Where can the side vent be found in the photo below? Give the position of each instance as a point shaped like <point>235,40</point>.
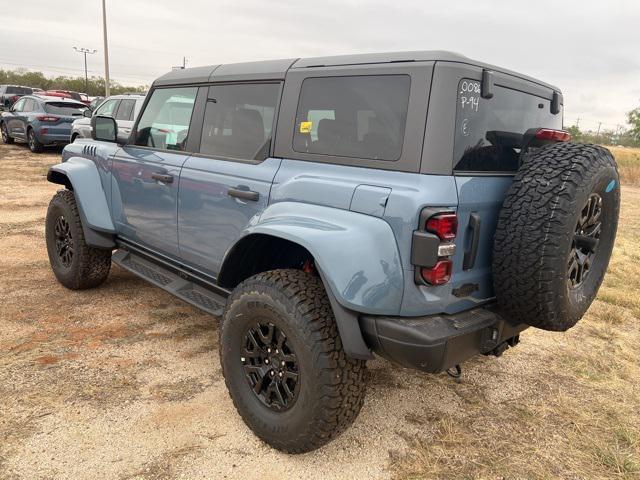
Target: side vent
<point>89,150</point>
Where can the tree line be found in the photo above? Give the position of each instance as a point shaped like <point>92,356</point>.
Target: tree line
<point>95,85</point>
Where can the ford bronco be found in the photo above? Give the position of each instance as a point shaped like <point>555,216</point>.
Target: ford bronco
<point>421,206</point>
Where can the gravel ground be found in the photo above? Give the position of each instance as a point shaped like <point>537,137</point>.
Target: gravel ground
<point>124,382</point>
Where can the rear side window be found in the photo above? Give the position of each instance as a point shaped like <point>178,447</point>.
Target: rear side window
<point>238,121</point>
<point>164,124</point>
<point>359,116</point>
<point>489,132</point>
<point>19,90</point>
<point>125,110</point>
<point>64,108</point>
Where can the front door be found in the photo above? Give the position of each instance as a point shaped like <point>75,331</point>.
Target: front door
<point>146,172</point>
<point>227,184</point>
<point>16,123</point>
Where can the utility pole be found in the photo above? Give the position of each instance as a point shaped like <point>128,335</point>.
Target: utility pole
<point>106,49</point>
<point>598,134</point>
<point>86,76</point>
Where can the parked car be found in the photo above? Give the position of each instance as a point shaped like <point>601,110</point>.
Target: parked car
<point>423,206</point>
<point>124,108</point>
<point>95,102</point>
<point>40,121</point>
<point>83,98</point>
<point>9,94</point>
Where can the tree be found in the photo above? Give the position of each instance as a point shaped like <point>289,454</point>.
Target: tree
<point>633,118</point>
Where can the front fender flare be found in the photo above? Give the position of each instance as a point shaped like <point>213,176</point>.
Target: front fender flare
<point>82,176</point>
<point>356,253</point>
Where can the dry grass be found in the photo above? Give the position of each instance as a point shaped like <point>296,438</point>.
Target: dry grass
<point>581,415</point>
<point>629,164</point>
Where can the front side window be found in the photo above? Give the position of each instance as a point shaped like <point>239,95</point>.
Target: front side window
<point>164,124</point>
<point>359,116</point>
<point>19,105</point>
<point>29,105</point>
<point>238,121</point>
<point>490,131</point>
<point>107,108</point>
<point>125,110</point>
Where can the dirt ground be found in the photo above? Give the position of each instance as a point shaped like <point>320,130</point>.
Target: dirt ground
<point>123,382</point>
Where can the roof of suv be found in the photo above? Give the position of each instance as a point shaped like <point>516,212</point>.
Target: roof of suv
<point>277,69</point>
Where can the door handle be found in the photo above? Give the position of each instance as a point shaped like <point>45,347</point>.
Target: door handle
<point>244,193</point>
<point>162,177</point>
<point>470,255</point>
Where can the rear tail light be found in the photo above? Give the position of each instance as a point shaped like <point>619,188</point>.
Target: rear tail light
<point>553,135</point>
<point>439,274</point>
<point>47,118</point>
<point>445,225</point>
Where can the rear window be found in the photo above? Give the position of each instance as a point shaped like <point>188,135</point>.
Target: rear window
<point>489,131</point>
<point>359,116</point>
<point>63,108</point>
<point>19,90</point>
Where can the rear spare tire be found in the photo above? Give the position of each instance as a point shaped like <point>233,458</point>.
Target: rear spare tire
<point>555,235</point>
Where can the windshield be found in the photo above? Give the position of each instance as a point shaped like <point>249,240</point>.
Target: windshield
<point>64,108</point>
<point>489,132</point>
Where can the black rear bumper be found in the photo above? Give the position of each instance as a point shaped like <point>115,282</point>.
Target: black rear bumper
<point>438,342</point>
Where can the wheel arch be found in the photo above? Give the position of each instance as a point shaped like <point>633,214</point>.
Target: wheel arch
<point>81,177</point>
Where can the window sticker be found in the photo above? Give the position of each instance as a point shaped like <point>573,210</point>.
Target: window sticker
<point>305,127</point>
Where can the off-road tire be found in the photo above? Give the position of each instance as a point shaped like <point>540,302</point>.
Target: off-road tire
<point>89,266</point>
<point>34,144</point>
<point>6,138</point>
<point>332,385</point>
<point>539,223</point>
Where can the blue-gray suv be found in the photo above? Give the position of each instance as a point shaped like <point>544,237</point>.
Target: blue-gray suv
<point>421,206</point>
<point>40,121</point>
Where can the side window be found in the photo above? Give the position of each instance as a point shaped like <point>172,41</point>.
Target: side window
<point>19,105</point>
<point>164,123</point>
<point>125,110</point>
<point>107,108</point>
<point>238,120</point>
<point>29,105</point>
<point>359,116</point>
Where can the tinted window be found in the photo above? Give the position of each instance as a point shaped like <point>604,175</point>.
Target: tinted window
<point>238,121</point>
<point>164,124</point>
<point>125,110</point>
<point>64,108</point>
<point>19,90</point>
<point>107,108</point>
<point>489,132</point>
<point>29,105</point>
<point>361,117</point>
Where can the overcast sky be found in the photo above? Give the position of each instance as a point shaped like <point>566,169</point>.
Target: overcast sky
<point>590,49</point>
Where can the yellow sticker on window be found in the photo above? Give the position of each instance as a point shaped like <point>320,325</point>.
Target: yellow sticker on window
<point>305,127</point>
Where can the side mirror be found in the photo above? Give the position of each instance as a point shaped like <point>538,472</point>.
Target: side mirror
<point>104,129</point>
<point>88,113</point>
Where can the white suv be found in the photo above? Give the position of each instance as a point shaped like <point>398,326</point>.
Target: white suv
<point>124,108</point>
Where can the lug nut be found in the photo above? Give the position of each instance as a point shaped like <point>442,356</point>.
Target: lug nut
<point>272,373</point>
<point>283,364</point>
<point>269,350</point>
<point>280,374</point>
<point>266,360</point>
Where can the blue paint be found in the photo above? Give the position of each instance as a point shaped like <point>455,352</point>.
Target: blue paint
<point>611,186</point>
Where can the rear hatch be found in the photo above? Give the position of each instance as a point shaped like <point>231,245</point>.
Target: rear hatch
<point>59,116</point>
<point>489,134</point>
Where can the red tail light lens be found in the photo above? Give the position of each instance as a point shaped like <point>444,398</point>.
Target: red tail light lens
<point>445,225</point>
<point>439,274</point>
<point>553,135</point>
<point>47,118</point>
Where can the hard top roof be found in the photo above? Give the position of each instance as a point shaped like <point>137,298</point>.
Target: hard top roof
<point>48,99</point>
<point>277,69</point>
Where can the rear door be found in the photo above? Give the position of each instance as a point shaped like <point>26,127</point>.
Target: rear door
<point>146,171</point>
<point>487,140</point>
<point>227,183</point>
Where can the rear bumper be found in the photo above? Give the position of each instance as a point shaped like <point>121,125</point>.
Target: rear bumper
<point>438,342</point>
<point>54,138</point>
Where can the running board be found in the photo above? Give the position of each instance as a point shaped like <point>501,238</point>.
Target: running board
<point>160,276</point>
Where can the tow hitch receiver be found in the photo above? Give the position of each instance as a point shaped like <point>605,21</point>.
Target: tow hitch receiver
<point>500,349</point>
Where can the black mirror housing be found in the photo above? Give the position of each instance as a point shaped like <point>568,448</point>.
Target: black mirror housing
<point>104,129</point>
<point>88,113</point>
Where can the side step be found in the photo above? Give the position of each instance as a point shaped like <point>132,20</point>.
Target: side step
<point>162,277</point>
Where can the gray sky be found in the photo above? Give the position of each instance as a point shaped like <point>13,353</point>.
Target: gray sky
<point>590,49</point>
